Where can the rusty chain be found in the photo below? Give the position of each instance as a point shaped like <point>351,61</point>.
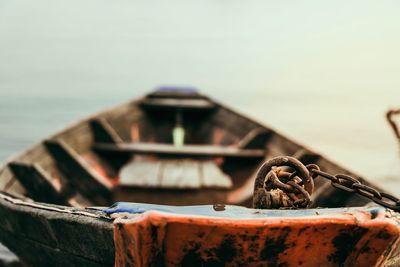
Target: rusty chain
<point>277,188</point>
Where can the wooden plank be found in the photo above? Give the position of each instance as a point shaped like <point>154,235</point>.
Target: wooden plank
<point>82,177</point>
<point>187,150</point>
<point>212,176</point>
<point>233,122</point>
<point>180,174</point>
<point>6,178</point>
<point>37,182</point>
<point>256,138</point>
<point>103,132</point>
<point>173,103</point>
<point>176,93</point>
<point>121,121</point>
<point>140,173</point>
<point>79,138</point>
<point>169,173</point>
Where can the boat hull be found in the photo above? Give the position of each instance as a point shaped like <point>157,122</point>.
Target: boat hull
<point>156,235</point>
<point>50,235</point>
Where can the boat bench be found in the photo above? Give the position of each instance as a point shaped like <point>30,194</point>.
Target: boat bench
<point>184,151</point>
<point>173,174</point>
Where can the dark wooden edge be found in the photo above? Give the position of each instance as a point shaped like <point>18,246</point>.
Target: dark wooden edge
<point>189,150</point>
<point>103,132</point>
<point>37,182</point>
<point>51,235</point>
<point>79,173</point>
<point>176,94</point>
<point>175,103</point>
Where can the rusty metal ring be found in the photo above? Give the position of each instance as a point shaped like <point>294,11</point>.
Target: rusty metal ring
<point>307,198</point>
<point>272,177</point>
<point>302,172</point>
<point>312,168</point>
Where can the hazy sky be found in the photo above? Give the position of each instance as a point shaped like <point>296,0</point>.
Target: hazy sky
<point>321,72</point>
<point>52,46</point>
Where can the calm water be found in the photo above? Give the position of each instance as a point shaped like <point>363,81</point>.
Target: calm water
<point>322,73</point>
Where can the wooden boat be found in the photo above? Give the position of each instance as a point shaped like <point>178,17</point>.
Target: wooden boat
<point>169,150</point>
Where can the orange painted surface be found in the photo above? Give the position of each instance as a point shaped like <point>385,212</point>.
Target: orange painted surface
<point>343,238</point>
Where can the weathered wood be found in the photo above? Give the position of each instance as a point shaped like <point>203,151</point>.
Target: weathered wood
<point>183,104</point>
<point>79,138</point>
<point>212,176</point>
<point>191,93</point>
<point>121,119</point>
<point>7,178</point>
<point>256,138</point>
<point>169,173</point>
<point>140,173</point>
<point>42,236</point>
<point>233,122</point>
<point>36,254</point>
<point>103,132</point>
<point>180,174</point>
<point>82,177</point>
<point>38,183</point>
<point>187,150</point>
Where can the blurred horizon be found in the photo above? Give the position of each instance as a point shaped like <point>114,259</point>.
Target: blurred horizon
<point>322,73</point>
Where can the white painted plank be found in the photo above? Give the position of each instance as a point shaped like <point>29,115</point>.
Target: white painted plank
<point>140,173</point>
<point>212,176</point>
<point>180,174</point>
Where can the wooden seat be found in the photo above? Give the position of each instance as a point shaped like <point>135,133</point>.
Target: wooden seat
<point>168,173</point>
<point>174,103</point>
<point>186,150</point>
<point>80,174</point>
<point>42,186</point>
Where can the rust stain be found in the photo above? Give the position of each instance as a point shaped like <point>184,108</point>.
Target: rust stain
<point>338,239</point>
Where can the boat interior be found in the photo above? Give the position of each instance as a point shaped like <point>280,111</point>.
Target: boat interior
<point>169,147</point>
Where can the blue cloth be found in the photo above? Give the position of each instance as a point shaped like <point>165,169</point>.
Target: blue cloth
<point>234,212</point>
<point>133,208</point>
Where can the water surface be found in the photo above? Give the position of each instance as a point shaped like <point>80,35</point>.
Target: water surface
<point>322,73</point>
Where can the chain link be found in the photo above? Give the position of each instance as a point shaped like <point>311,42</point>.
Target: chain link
<point>352,185</point>
<point>298,189</point>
